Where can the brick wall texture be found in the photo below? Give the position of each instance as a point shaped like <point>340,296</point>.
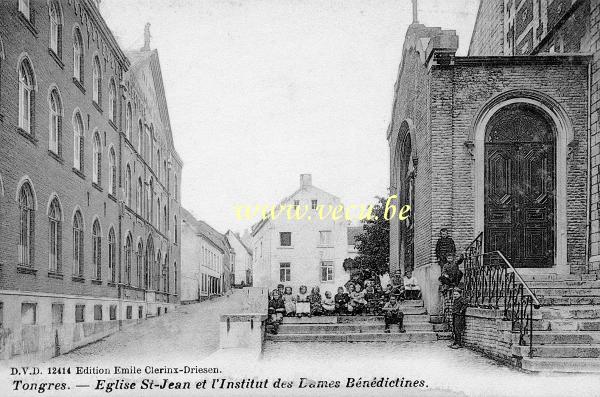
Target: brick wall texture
<point>488,32</point>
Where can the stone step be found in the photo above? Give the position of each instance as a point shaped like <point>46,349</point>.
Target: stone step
<point>559,351</point>
<point>568,300</point>
<point>574,365</point>
<point>563,337</point>
<point>568,325</point>
<point>559,277</point>
<point>570,312</point>
<point>348,328</point>
<point>567,292</point>
<point>351,319</point>
<point>564,284</point>
<point>393,336</point>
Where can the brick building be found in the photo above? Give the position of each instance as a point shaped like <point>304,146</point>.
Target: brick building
<point>503,144</point>
<point>89,201</point>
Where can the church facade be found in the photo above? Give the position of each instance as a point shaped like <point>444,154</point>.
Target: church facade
<point>500,143</point>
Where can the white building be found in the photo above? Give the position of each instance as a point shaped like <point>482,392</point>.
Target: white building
<point>242,261</point>
<point>302,252</point>
<point>205,260</point>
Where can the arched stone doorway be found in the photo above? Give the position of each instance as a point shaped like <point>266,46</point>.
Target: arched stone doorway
<point>520,185</point>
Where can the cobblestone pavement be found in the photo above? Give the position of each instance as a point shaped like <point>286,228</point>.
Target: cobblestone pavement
<point>189,332</point>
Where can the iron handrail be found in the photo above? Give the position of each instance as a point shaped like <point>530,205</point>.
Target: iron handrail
<point>536,302</point>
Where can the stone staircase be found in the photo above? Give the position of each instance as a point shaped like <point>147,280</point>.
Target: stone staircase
<point>566,335</point>
<point>417,323</point>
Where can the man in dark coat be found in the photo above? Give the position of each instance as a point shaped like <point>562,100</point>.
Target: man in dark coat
<point>459,309</point>
<point>393,314</point>
<point>444,247</point>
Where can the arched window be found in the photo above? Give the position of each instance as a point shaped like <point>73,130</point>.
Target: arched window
<point>26,225</point>
<point>97,249</point>
<point>26,96</point>
<point>128,185</point>
<point>112,102</point>
<point>157,273</point>
<point>78,142</point>
<point>128,257</point>
<point>176,187</point>
<point>149,263</point>
<point>147,147</point>
<point>97,160</point>
<point>175,278</point>
<point>175,229</point>
<point>24,8</point>
<point>157,165</point>
<point>55,126</point>
<point>128,121</point>
<point>139,263</point>
<point>165,174</point>
<point>158,213</point>
<point>165,219</point>
<point>139,194</point>
<point>55,237</point>
<point>55,29</point>
<point>97,82</point>
<point>140,137</point>
<point>150,200</point>
<point>78,244</point>
<point>112,172</point>
<point>112,256</point>
<point>165,272</point>
<point>78,64</point>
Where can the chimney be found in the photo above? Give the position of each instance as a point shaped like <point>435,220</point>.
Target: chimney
<point>305,180</point>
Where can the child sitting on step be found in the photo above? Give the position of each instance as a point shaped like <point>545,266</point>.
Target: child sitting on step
<point>412,291</point>
<point>316,307</point>
<point>393,315</point>
<point>357,300</point>
<point>290,302</point>
<point>302,302</point>
<point>276,310</point>
<point>341,301</point>
<point>328,304</point>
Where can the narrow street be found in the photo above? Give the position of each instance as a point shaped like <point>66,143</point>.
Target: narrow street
<point>189,333</point>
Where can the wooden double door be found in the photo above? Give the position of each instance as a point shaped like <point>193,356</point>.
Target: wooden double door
<point>520,189</point>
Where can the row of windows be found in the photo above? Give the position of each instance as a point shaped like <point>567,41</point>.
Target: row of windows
<point>147,265</point>
<point>27,87</point>
<point>210,259</point>
<point>210,285</point>
<point>29,313</point>
<point>325,271</point>
<point>285,238</point>
<point>313,203</point>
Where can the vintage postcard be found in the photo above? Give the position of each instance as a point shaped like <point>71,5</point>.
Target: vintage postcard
<point>300,198</point>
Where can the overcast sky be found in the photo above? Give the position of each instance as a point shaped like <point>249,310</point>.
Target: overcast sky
<point>260,91</point>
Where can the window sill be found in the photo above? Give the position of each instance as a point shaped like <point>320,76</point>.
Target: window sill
<point>285,247</point>
<point>113,125</point>
<point>55,275</point>
<point>96,186</point>
<point>78,279</point>
<point>26,270</point>
<point>324,246</point>
<point>111,284</point>
<point>27,135</point>
<point>56,58</point>
<point>55,156</point>
<point>96,281</point>
<point>97,106</point>
<point>79,173</point>
<point>79,85</point>
<point>113,198</point>
<point>25,21</point>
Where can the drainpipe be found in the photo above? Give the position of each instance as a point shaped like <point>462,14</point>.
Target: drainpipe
<point>589,170</point>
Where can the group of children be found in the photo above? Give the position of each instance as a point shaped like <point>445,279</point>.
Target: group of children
<point>357,298</point>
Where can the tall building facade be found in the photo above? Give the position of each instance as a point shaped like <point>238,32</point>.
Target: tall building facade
<point>89,191</point>
<point>306,252</point>
<point>207,260</point>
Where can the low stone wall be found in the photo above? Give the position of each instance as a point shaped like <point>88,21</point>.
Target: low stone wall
<point>488,333</point>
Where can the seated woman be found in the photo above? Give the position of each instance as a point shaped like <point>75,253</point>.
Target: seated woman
<point>358,300</point>
<point>328,304</point>
<point>316,308</point>
<point>412,291</point>
<point>341,301</point>
<point>302,302</point>
<point>290,302</point>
